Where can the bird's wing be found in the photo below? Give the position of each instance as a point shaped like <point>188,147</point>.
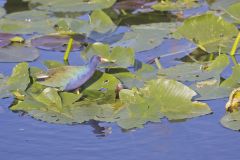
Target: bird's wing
<point>59,77</point>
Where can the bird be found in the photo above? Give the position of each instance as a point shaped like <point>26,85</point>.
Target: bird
<point>69,78</point>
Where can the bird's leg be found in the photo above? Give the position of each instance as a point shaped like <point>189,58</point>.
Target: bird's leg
<point>77,91</point>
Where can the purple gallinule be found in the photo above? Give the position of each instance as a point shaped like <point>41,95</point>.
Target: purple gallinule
<point>68,78</point>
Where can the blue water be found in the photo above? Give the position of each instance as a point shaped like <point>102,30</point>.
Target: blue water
<point>201,138</point>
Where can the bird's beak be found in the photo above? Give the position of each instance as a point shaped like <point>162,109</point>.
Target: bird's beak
<point>106,60</point>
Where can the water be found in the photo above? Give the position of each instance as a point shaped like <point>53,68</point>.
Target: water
<point>24,138</point>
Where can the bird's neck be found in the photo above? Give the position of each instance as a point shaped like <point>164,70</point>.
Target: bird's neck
<point>92,66</point>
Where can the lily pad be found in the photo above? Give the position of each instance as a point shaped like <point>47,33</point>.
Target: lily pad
<point>233,12</point>
<point>231,118</point>
<point>19,80</point>
<point>197,72</point>
<point>56,43</point>
<point>4,89</point>
<point>175,5</point>
<point>101,22</point>
<point>18,54</point>
<point>54,107</point>
<point>27,27</point>
<point>154,101</point>
<point>218,90</point>
<point>72,5</point>
<point>121,56</point>
<point>134,5</point>
<point>219,36</point>
<point>5,39</point>
<point>28,16</point>
<point>2,12</point>
<point>101,88</point>
<point>145,37</point>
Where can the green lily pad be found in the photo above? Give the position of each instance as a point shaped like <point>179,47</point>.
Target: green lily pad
<point>2,12</point>
<point>219,36</point>
<point>218,90</point>
<point>233,12</point>
<point>18,54</point>
<point>176,5</point>
<point>52,64</point>
<point>101,22</point>
<point>72,5</point>
<point>19,80</point>
<point>27,27</point>
<point>155,101</point>
<point>61,107</point>
<point>4,89</point>
<point>28,16</point>
<point>121,56</point>
<point>222,4</point>
<point>145,37</point>
<point>196,72</point>
<point>231,121</point>
<point>101,87</point>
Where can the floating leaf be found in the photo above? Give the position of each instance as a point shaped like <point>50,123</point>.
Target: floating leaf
<point>155,100</point>
<point>2,12</point>
<point>231,119</point>
<point>18,54</point>
<point>56,43</point>
<point>4,89</point>
<point>28,16</point>
<point>52,64</point>
<point>121,56</point>
<point>54,107</point>
<point>233,10</point>
<point>5,39</point>
<point>72,5</point>
<point>134,5</point>
<point>145,37</point>
<point>234,79</point>
<point>19,80</point>
<point>27,27</point>
<point>196,71</point>
<point>101,87</point>
<point>222,4</point>
<point>213,33</point>
<point>101,22</point>
<point>176,5</point>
